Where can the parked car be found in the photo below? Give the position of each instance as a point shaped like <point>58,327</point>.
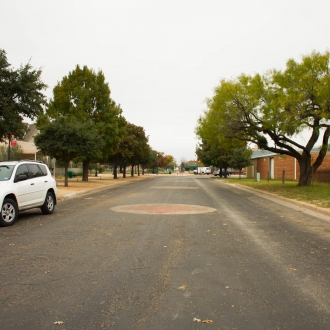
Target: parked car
<point>206,170</point>
<point>217,172</point>
<point>229,172</point>
<point>25,185</point>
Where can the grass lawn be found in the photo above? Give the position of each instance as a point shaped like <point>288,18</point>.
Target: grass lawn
<point>318,193</point>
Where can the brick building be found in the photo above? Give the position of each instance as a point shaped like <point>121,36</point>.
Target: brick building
<point>271,165</point>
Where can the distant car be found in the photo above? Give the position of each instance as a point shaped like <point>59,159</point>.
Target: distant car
<point>25,185</point>
<point>217,172</point>
<point>229,172</point>
<point>196,171</point>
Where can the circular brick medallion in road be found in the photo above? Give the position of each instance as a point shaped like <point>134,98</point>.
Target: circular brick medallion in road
<point>163,209</point>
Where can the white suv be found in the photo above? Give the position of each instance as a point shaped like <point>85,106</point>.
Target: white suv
<point>25,185</point>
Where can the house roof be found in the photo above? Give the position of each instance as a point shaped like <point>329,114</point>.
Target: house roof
<point>265,153</point>
<point>262,153</point>
<point>31,133</point>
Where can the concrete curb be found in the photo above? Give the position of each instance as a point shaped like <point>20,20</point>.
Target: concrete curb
<point>73,194</point>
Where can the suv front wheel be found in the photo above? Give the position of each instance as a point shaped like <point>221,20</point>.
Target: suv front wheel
<point>9,212</point>
<point>49,204</point>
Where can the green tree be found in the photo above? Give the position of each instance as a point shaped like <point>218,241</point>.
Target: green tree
<point>215,147</point>
<point>271,110</point>
<point>84,95</point>
<point>145,158</point>
<point>133,148</point>
<point>66,140</point>
<point>204,153</point>
<point>20,96</point>
<point>152,160</point>
<point>239,158</point>
<point>140,146</point>
<point>169,162</point>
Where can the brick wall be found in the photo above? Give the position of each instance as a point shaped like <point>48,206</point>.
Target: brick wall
<point>288,164</point>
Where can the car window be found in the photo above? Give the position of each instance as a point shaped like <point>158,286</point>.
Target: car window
<point>5,172</point>
<point>34,170</point>
<point>43,169</point>
<point>22,170</point>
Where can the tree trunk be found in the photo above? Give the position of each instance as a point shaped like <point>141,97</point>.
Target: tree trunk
<point>66,180</point>
<point>85,170</point>
<point>138,170</point>
<point>132,170</point>
<point>306,170</point>
<point>124,171</point>
<point>115,176</point>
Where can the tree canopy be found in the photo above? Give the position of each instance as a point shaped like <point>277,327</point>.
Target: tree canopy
<point>20,96</point>
<point>66,140</point>
<point>84,95</point>
<point>271,110</point>
<point>133,147</point>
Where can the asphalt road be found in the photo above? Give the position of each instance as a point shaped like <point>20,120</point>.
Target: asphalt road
<point>247,263</point>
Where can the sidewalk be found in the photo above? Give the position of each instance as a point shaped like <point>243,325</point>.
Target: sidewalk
<point>78,187</point>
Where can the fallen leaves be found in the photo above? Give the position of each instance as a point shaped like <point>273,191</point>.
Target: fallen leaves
<point>182,287</point>
<point>207,321</point>
<point>294,269</point>
<point>58,322</point>
<point>195,319</point>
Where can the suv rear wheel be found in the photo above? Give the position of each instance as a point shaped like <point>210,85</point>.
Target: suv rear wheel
<point>49,204</point>
<point>9,212</point>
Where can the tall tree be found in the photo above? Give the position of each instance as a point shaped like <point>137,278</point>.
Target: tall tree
<point>133,148</point>
<point>271,110</point>
<point>215,147</point>
<point>84,95</point>
<point>20,96</point>
<point>66,140</point>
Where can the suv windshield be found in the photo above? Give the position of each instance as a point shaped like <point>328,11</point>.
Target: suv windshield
<point>5,172</point>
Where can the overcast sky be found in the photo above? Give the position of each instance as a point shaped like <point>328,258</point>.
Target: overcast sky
<point>162,59</point>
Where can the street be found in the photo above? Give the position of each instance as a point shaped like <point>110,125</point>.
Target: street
<point>172,252</point>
